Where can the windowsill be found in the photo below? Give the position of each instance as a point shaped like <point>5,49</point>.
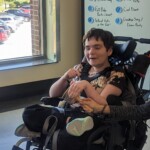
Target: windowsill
<point>23,64</point>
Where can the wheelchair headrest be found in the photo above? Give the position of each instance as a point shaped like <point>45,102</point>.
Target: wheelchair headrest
<point>124,51</point>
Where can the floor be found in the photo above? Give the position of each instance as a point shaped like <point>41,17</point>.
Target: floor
<point>10,119</point>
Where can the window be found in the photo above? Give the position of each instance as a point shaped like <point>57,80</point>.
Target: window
<point>35,40</point>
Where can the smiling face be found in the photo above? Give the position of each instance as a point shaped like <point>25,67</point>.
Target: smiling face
<point>96,53</point>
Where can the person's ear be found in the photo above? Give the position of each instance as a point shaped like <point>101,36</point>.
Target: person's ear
<point>110,51</point>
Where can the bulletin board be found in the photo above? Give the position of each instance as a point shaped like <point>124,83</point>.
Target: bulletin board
<point>129,18</point>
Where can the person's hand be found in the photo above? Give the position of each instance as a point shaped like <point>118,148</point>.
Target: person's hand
<point>76,87</point>
<point>71,73</point>
<point>90,105</point>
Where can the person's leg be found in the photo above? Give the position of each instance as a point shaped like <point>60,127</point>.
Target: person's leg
<point>34,117</point>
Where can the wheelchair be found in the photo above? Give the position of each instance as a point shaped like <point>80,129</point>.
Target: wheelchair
<point>114,138</point>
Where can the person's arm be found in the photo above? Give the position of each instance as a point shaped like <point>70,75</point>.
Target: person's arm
<point>77,87</point>
<point>135,112</point>
<point>60,86</point>
<point>115,85</point>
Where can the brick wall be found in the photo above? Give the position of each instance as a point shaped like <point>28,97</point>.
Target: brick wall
<point>35,27</point>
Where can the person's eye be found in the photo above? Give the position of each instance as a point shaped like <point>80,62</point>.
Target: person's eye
<point>87,48</point>
<point>97,47</point>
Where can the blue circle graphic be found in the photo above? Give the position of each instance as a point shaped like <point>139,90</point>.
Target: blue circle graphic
<point>91,20</point>
<point>119,9</point>
<point>90,8</point>
<point>118,0</point>
<point>118,21</point>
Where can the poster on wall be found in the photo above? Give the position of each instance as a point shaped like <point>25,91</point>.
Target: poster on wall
<point>121,17</point>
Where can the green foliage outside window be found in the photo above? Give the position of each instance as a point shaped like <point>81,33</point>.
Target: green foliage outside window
<point>4,4</point>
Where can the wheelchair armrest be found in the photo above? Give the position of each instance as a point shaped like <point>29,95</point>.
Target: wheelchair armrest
<point>53,101</point>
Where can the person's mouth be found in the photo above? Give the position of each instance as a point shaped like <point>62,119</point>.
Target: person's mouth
<point>92,58</point>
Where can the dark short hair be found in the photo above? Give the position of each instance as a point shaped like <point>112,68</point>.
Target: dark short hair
<point>106,36</point>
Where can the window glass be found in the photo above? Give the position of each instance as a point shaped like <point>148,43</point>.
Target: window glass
<point>31,34</point>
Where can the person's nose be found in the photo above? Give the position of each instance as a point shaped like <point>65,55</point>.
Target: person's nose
<point>91,51</point>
